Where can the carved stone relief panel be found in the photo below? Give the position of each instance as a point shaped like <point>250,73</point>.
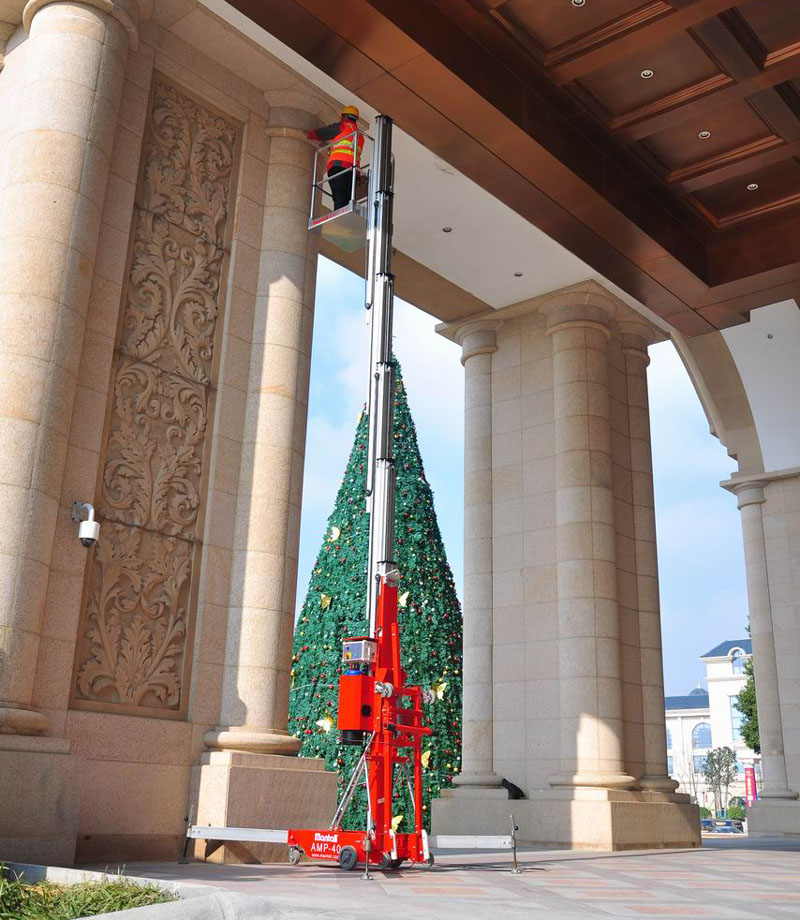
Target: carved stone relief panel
<point>132,652</point>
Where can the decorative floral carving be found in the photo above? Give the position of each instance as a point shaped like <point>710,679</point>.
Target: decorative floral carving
<point>136,618</point>
<point>132,648</point>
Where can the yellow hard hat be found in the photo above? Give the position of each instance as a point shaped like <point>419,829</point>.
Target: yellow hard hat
<point>350,110</point>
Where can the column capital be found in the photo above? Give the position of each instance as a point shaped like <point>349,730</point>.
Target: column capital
<point>293,113</point>
<point>637,335</point>
<point>129,13</point>
<point>477,338</point>
<point>748,492</point>
<point>593,308</point>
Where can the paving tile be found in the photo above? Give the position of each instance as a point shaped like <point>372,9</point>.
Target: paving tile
<point>743,882</point>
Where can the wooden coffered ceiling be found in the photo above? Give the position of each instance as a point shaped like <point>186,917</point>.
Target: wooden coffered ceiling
<point>658,141</point>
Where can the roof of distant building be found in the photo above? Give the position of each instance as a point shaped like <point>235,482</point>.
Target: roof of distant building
<point>726,647</point>
<point>697,699</point>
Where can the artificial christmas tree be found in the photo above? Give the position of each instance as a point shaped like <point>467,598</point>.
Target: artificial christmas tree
<point>335,609</point>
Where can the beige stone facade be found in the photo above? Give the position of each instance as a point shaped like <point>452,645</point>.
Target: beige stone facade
<point>561,581</point>
<point>770,509</point>
<point>156,307</point>
<point>750,396</point>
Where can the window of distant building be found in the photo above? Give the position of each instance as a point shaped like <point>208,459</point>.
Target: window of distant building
<point>701,735</point>
<point>669,740</point>
<point>737,661</point>
<point>736,719</point>
<point>669,765</point>
<point>699,762</point>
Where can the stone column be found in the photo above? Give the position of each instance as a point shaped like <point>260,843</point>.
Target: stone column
<point>260,622</point>
<point>635,339</point>
<point>592,751</point>
<point>750,497</point>
<point>52,193</point>
<point>478,341</point>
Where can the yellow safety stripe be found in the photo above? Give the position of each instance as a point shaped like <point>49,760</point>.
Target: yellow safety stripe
<point>345,147</point>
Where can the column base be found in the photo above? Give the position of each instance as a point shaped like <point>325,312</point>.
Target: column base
<point>39,800</point>
<point>774,817</point>
<point>581,819</point>
<point>662,783</point>
<point>595,780</point>
<point>255,742</point>
<point>238,789</point>
<point>478,780</point>
<point>15,721</point>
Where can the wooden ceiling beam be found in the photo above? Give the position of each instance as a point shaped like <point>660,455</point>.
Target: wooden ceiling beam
<point>758,82</point>
<point>459,84</point>
<point>740,161</point>
<point>576,58</point>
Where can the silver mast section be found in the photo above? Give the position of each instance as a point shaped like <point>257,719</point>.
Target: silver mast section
<point>380,301</point>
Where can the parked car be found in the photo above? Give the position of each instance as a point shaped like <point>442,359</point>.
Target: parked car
<point>727,829</point>
<point>707,824</point>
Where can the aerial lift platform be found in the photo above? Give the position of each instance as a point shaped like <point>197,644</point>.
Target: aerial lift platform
<point>377,709</point>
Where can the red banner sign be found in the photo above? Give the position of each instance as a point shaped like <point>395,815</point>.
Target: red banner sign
<point>750,790</point>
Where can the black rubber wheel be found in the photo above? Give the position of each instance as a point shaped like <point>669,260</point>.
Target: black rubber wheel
<point>348,858</point>
<point>294,855</point>
<point>396,863</point>
<point>428,864</point>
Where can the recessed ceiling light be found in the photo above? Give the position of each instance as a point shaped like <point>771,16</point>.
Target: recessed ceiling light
<point>447,229</point>
<point>646,74</point>
<point>517,274</point>
<point>704,135</point>
<point>579,2</point>
<point>752,186</point>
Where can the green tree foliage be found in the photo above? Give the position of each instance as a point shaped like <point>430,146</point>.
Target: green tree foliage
<point>705,812</point>
<point>746,704</point>
<point>720,771</point>
<point>736,811</point>
<point>20,900</point>
<point>335,608</point>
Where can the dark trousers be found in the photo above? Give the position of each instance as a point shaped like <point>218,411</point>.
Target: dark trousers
<point>341,182</point>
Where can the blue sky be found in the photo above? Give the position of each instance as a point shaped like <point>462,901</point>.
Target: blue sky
<point>703,594</point>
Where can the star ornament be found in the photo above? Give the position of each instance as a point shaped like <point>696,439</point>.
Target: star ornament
<point>439,689</point>
<point>325,601</point>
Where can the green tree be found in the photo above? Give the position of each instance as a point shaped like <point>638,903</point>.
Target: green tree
<point>720,771</point>
<point>335,608</point>
<point>746,704</point>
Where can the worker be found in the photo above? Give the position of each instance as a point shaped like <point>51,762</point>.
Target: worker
<point>344,155</point>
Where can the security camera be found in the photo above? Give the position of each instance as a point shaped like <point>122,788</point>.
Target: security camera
<point>88,530</point>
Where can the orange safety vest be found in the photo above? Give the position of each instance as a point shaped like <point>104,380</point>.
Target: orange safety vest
<point>341,150</point>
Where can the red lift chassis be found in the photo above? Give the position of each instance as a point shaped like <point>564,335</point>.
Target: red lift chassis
<point>379,703</point>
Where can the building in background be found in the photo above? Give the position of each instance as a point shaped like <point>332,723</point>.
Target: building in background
<point>706,719</point>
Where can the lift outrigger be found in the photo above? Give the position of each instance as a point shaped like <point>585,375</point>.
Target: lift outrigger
<point>377,709</point>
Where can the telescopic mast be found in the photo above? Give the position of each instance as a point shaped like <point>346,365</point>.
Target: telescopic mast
<point>381,473</point>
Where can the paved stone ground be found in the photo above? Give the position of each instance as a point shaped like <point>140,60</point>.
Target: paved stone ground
<point>735,879</point>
